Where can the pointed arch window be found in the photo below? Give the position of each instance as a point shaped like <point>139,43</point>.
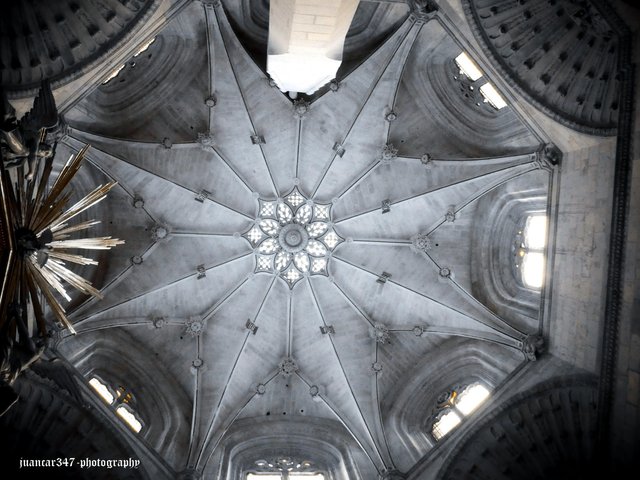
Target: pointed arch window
<point>455,404</point>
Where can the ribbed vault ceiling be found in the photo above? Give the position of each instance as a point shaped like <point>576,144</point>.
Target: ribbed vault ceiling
<point>238,374</point>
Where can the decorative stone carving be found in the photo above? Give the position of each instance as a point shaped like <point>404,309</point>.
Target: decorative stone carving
<point>159,322</point>
<point>549,158</point>
<point>138,202</point>
<point>334,85</point>
<point>418,330</point>
<point>205,139</point>
<point>445,272</point>
<point>300,108</point>
<point>252,327</point>
<point>62,40</point>
<point>158,233</point>
<point>381,333</point>
<point>261,389</point>
<point>136,260</point>
<point>314,391</point>
<point>470,89</point>
<point>202,271</point>
<point>383,277</point>
<point>533,347</point>
<point>328,329</point>
<point>531,41</point>
<point>292,237</point>
<point>258,139</point>
<point>386,206</point>
<point>421,242</point>
<point>284,464</point>
<point>339,149</point>
<point>392,475</point>
<point>287,367</point>
<point>194,326</point>
<point>211,101</point>
<point>167,143</point>
<point>427,160</point>
<point>450,216</point>
<point>423,10</point>
<point>389,152</point>
<point>376,367</point>
<point>202,196</point>
<point>391,116</point>
<point>197,363</point>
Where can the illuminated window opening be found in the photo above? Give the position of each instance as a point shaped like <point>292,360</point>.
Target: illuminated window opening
<point>144,47</point>
<point>102,390</point>
<point>129,418</point>
<point>469,68</point>
<point>492,96</point>
<point>113,74</point>
<point>117,71</point>
<point>456,405</point>
<point>118,400</point>
<point>531,251</point>
<point>284,468</point>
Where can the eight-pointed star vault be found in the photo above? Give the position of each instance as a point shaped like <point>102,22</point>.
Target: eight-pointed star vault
<point>251,212</point>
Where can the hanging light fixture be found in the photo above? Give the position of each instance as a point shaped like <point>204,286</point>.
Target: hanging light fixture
<point>37,231</point>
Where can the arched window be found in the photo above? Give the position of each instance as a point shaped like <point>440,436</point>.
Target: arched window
<point>284,468</point>
<point>487,91</point>
<point>119,400</point>
<point>532,240</point>
<point>114,73</point>
<point>455,404</point>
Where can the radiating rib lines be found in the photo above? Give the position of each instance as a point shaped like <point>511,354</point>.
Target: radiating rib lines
<point>435,189</point>
<point>210,56</point>
<point>233,170</point>
<point>114,281</point>
<point>235,416</point>
<point>196,403</point>
<point>379,410</point>
<point>231,372</point>
<point>173,182</point>
<point>346,425</point>
<point>244,102</point>
<point>163,286</point>
<point>483,192</point>
<point>374,85</point>
<point>474,300</point>
<point>344,373</point>
<point>518,335</point>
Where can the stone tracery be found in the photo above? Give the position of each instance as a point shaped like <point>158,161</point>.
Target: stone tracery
<point>293,237</point>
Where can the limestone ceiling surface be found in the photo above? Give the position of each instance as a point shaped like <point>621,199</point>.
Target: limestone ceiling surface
<point>236,339</point>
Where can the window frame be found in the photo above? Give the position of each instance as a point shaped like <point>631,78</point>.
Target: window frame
<point>521,250</point>
<point>121,398</point>
<point>446,404</point>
